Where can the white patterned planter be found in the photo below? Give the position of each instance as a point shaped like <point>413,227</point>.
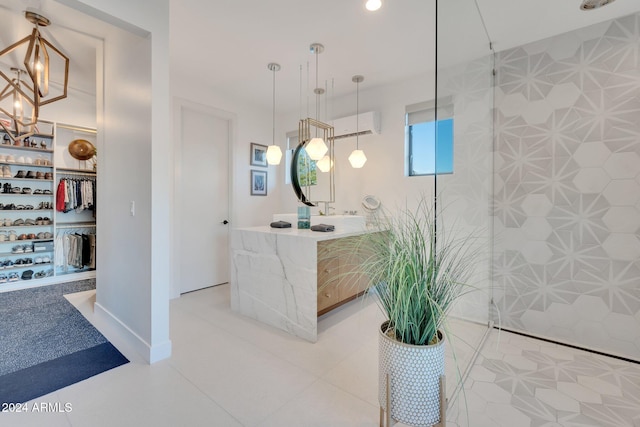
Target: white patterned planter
<point>414,373</point>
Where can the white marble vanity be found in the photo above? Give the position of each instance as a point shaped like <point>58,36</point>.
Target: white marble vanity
<point>274,274</point>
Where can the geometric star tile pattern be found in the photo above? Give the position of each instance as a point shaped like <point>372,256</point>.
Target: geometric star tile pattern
<point>519,381</point>
<point>567,208</point>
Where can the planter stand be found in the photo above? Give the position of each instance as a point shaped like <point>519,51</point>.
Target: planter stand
<point>386,421</point>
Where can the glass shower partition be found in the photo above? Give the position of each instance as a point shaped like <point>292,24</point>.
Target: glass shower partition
<point>464,114</point>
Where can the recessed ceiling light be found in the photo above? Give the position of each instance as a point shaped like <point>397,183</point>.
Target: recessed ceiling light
<point>594,4</point>
<point>373,4</point>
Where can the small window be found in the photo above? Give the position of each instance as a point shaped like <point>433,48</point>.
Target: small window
<point>429,141</point>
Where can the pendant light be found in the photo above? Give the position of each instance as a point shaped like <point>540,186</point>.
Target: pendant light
<point>357,157</point>
<point>38,53</point>
<point>18,106</point>
<point>316,148</point>
<point>274,153</point>
<point>324,164</point>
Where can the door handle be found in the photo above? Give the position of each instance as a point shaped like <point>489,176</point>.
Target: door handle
<point>225,222</point>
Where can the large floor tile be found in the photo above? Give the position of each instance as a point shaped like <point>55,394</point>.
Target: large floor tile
<point>323,405</point>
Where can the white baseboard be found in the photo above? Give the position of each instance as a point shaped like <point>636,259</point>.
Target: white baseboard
<point>149,353</point>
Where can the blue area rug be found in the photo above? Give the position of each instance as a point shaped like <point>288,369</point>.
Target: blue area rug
<point>46,344</point>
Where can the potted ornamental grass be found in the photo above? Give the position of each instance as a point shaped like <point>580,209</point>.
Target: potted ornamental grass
<point>416,271</point>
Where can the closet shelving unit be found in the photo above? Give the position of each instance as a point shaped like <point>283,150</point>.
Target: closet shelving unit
<point>40,208</point>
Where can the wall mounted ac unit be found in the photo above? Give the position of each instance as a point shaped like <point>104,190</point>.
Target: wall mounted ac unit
<point>368,123</point>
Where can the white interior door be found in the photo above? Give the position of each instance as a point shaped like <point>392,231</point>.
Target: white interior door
<point>202,191</point>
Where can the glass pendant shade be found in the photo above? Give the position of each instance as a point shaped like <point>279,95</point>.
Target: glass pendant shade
<point>274,155</point>
<point>316,148</point>
<point>373,4</point>
<point>325,164</point>
<point>357,159</point>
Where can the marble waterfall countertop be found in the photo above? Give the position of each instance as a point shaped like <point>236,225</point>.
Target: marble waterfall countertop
<point>274,275</point>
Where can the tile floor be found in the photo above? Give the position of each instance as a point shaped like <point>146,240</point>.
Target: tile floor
<point>227,370</point>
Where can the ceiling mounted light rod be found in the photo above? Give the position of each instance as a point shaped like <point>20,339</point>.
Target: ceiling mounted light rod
<point>274,153</point>
<point>357,157</point>
<point>316,148</point>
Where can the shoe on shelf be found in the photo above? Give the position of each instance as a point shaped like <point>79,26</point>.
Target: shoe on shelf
<point>40,175</point>
<point>46,259</point>
<point>43,145</point>
<point>19,249</point>
<point>13,277</point>
<point>30,175</point>
<point>3,278</point>
<point>29,221</point>
<point>20,174</point>
<point>10,159</point>
<point>6,170</point>
<point>20,159</point>
<point>18,222</point>
<point>48,175</point>
<point>39,275</point>
<point>26,190</point>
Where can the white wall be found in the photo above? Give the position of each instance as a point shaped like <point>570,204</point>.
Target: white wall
<point>384,174</point>
<point>252,124</point>
<point>133,124</point>
<point>77,109</point>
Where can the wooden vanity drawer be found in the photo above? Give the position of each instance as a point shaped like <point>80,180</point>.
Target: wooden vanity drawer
<point>328,283</point>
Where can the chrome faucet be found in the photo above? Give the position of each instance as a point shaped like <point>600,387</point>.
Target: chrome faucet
<point>327,208</point>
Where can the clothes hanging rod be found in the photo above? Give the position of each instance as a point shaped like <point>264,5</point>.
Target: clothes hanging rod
<point>77,128</point>
<point>72,172</point>
<point>75,225</point>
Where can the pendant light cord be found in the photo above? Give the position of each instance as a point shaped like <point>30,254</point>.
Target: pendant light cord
<point>357,115</point>
<point>273,139</point>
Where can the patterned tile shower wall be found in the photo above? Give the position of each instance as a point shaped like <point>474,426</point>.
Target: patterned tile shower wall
<point>567,187</point>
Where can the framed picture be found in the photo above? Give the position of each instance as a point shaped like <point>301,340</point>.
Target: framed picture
<point>258,154</point>
<point>258,183</point>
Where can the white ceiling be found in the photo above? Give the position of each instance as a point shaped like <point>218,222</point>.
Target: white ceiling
<point>225,45</point>
<point>228,43</point>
